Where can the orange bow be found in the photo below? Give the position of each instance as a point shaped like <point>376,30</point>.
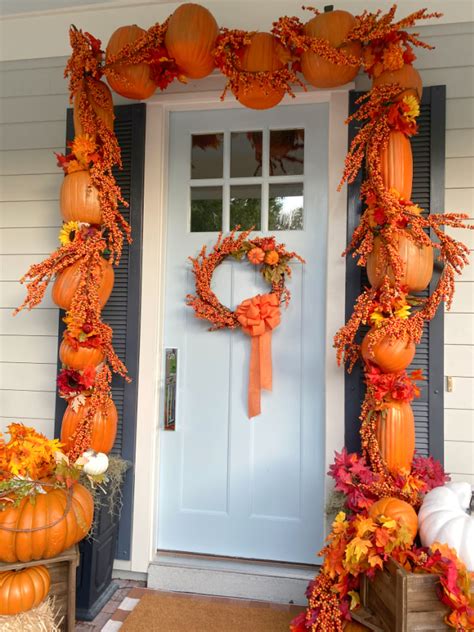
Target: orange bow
<point>258,316</point>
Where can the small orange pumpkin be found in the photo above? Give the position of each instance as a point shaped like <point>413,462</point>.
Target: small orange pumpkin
<point>59,526</point>
<point>390,354</point>
<point>104,426</point>
<point>24,589</point>
<point>80,357</point>
<point>79,199</point>
<point>101,100</point>
<point>190,39</point>
<point>333,26</point>
<point>67,282</point>
<point>408,77</point>
<point>397,510</point>
<point>395,431</point>
<point>132,81</point>
<point>264,53</point>
<point>417,265</point>
<point>397,164</point>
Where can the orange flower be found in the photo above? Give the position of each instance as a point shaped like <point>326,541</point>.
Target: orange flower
<point>75,165</point>
<point>272,258</point>
<point>83,146</point>
<point>256,256</point>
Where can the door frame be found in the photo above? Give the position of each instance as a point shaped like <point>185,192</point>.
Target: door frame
<point>145,516</point>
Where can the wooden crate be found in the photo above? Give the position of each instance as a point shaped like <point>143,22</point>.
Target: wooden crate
<point>62,570</point>
<point>399,601</point>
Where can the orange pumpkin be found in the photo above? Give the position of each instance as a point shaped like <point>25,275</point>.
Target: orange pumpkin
<point>190,39</point>
<point>353,626</point>
<point>397,510</point>
<point>264,53</point>
<point>79,199</point>
<point>129,80</point>
<point>395,431</point>
<point>333,26</point>
<point>80,357</point>
<point>408,77</point>
<point>24,589</point>
<point>417,265</point>
<point>101,100</point>
<point>67,282</point>
<point>390,354</point>
<point>397,164</point>
<point>59,522</point>
<point>104,426</point>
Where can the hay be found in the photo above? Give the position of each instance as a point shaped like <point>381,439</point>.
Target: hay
<point>44,618</point>
<point>109,494</point>
<point>336,503</point>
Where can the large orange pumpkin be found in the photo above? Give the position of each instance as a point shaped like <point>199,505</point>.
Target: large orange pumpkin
<point>190,39</point>
<point>79,199</point>
<point>24,589</point>
<point>104,426</point>
<point>353,626</point>
<point>101,100</point>
<point>264,53</point>
<point>333,26</point>
<point>397,164</point>
<point>52,524</point>
<point>67,282</point>
<point>80,357</point>
<point>129,80</point>
<point>397,510</point>
<point>417,265</point>
<point>408,77</point>
<point>395,431</point>
<point>390,354</point>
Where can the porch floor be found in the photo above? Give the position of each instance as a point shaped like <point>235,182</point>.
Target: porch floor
<point>129,593</point>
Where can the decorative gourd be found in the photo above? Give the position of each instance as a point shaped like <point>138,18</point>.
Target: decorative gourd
<point>60,518</point>
<point>101,100</point>
<point>96,463</point>
<point>24,589</point>
<point>67,282</point>
<point>264,53</point>
<point>79,199</point>
<point>395,432</point>
<point>104,426</point>
<point>333,26</point>
<point>417,265</point>
<point>353,626</point>
<point>390,354</point>
<point>129,80</point>
<point>444,518</point>
<point>80,357</point>
<point>190,39</point>
<point>408,77</point>
<point>397,510</point>
<point>397,164</point>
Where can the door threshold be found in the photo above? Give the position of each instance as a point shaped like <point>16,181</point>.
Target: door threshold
<point>279,582</point>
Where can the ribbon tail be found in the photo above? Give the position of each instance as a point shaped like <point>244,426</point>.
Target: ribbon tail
<point>265,343</point>
<point>254,379</point>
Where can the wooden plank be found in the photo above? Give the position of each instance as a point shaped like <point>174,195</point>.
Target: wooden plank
<point>459,425</point>
<point>30,109</point>
<point>459,143</point>
<point>35,187</point>
<point>45,426</point>
<point>461,234</point>
<point>459,360</point>
<point>28,377</point>
<point>38,135</point>
<point>467,478</point>
<point>459,172</point>
<point>450,51</point>
<point>31,241</point>
<point>29,161</point>
<point>33,81</point>
<point>463,298</point>
<point>40,322</point>
<point>462,395</point>
<point>460,113</point>
<point>14,266</point>
<point>30,214</point>
<point>458,329</point>
<point>12,294</point>
<point>29,349</point>
<point>459,457</point>
<point>460,201</point>
<point>20,404</point>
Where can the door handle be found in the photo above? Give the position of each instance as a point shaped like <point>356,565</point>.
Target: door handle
<point>171,370</point>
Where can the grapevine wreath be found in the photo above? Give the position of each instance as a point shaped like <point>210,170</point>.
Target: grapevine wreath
<point>257,316</point>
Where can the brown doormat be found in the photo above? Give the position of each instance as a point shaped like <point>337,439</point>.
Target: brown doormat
<point>165,612</point>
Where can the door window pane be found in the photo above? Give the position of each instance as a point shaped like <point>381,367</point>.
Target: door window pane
<point>245,154</point>
<point>207,152</point>
<point>285,206</point>
<point>245,206</point>
<point>286,152</point>
<point>206,209</point>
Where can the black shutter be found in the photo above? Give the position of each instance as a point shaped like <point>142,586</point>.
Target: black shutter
<point>428,191</point>
<point>122,310</point>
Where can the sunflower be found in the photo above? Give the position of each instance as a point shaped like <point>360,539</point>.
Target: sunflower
<point>68,232</point>
<point>82,147</point>
<point>413,108</point>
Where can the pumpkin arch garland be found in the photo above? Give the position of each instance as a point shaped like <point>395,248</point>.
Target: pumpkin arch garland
<point>256,316</point>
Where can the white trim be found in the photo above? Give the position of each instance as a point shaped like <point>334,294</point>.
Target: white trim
<point>145,518</point>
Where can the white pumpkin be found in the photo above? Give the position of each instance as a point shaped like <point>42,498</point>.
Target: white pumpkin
<point>95,463</point>
<point>444,518</point>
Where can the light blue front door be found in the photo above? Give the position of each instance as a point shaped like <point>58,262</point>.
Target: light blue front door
<point>229,485</point>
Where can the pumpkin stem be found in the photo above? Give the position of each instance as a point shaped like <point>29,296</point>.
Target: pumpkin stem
<point>328,8</point>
